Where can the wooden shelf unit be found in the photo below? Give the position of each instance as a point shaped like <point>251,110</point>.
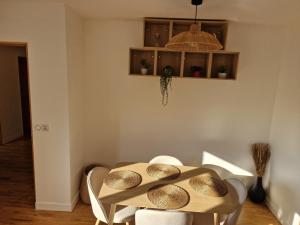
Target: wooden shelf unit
<point>171,58</point>
<point>158,58</point>
<point>136,56</point>
<point>216,28</point>
<point>158,31</point>
<point>200,59</point>
<point>227,60</point>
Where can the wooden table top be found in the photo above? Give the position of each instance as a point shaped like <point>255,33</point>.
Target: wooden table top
<point>137,196</point>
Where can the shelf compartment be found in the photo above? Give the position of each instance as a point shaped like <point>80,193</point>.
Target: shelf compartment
<point>181,26</point>
<point>136,56</point>
<point>169,58</point>
<point>219,29</point>
<point>196,59</point>
<point>156,33</point>
<point>227,61</point>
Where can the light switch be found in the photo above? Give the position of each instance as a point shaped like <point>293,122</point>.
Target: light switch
<point>42,127</point>
<point>45,127</point>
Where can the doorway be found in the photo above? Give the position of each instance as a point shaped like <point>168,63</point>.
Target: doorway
<point>16,152</point>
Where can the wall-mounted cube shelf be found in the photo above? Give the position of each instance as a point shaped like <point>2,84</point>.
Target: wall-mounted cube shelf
<point>136,56</point>
<point>219,29</point>
<point>224,60</point>
<point>211,63</point>
<point>168,58</point>
<point>196,59</point>
<point>158,31</point>
<point>200,64</point>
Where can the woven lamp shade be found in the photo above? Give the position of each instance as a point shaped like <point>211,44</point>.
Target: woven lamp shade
<point>194,40</point>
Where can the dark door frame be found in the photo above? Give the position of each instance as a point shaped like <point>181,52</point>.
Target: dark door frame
<point>23,81</point>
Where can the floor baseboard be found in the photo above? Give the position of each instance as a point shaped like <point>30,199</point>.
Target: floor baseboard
<point>75,199</point>
<point>275,211</point>
<point>55,206</point>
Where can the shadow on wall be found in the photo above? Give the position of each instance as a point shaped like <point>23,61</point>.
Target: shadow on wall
<point>228,169</point>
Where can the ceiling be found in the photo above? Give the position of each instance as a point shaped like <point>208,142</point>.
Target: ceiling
<point>255,11</point>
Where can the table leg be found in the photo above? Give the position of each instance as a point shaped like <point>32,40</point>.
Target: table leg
<point>216,219</point>
<point>112,214</point>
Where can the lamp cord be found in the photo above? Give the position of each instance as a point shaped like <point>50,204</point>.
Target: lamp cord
<point>196,14</point>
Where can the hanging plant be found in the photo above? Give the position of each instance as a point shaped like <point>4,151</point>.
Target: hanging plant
<point>165,83</point>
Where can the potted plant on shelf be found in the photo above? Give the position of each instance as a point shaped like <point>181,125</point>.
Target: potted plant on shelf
<point>144,67</point>
<point>197,71</point>
<point>222,72</point>
<point>261,155</point>
<point>165,83</point>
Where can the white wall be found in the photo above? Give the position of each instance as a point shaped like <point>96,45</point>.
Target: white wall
<point>42,26</point>
<point>10,97</point>
<point>285,135</point>
<point>75,35</point>
<point>124,118</point>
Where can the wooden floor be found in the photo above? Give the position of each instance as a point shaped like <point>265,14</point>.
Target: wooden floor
<point>17,196</point>
<point>82,215</point>
<point>16,174</point>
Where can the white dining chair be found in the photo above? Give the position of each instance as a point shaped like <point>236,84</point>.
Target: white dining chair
<point>222,172</point>
<point>226,174</point>
<point>232,218</point>
<point>241,190</point>
<point>94,181</point>
<point>166,159</point>
<point>159,217</point>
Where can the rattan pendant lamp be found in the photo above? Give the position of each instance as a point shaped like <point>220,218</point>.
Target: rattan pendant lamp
<point>194,39</point>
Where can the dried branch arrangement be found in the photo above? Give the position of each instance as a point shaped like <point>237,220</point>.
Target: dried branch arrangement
<point>261,155</point>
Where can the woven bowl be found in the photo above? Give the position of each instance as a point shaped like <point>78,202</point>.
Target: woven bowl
<point>163,171</point>
<point>208,186</point>
<point>122,180</point>
<point>168,196</point>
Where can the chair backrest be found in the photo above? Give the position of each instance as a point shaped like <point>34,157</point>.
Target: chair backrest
<point>165,159</point>
<point>94,183</point>
<point>222,172</point>
<point>151,217</point>
<point>241,190</point>
<point>226,174</point>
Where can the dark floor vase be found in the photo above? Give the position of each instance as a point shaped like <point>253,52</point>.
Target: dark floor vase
<point>257,193</point>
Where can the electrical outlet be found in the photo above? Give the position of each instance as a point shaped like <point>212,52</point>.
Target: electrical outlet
<point>45,127</point>
<point>42,127</point>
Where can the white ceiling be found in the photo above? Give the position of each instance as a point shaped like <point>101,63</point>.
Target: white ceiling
<point>257,11</point>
